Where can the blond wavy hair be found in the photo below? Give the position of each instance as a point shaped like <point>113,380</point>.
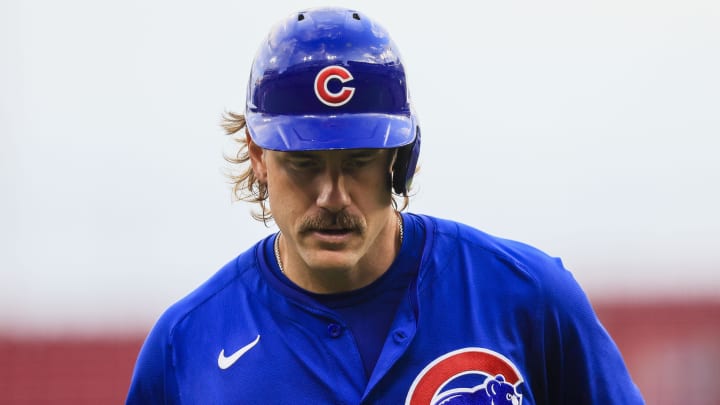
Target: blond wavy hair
<point>246,186</point>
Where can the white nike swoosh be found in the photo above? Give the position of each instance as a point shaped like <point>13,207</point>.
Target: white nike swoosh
<point>225,362</point>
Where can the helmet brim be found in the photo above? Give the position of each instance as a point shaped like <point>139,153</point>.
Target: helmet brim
<point>326,132</point>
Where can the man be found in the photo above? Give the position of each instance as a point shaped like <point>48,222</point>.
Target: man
<point>352,302</point>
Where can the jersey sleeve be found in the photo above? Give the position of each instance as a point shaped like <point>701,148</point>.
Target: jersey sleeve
<point>153,380</point>
<point>584,365</point>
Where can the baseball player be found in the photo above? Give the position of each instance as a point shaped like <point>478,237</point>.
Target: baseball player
<point>353,302</point>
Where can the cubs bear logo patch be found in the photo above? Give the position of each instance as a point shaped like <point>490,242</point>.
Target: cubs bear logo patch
<point>468,376</point>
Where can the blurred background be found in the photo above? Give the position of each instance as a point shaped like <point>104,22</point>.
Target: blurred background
<point>588,129</point>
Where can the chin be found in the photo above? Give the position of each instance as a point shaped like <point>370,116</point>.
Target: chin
<point>330,261</point>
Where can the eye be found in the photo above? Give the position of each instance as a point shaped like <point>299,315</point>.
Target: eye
<point>355,163</point>
<point>302,162</point>
<point>360,159</point>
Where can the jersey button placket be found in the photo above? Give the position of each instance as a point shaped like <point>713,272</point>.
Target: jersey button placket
<point>334,330</point>
<point>400,336</point>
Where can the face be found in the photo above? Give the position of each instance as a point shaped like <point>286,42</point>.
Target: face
<point>334,208</point>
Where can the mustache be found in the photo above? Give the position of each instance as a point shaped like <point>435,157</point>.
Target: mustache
<point>340,220</point>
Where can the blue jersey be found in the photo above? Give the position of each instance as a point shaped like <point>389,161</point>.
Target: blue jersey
<point>483,320</point>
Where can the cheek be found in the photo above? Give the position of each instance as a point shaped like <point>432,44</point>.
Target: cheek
<point>288,199</point>
<point>373,189</point>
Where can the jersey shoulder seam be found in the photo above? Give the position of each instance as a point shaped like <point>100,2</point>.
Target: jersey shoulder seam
<point>459,231</point>
<point>238,272</point>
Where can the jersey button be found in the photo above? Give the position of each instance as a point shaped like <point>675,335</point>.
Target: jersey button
<point>334,330</point>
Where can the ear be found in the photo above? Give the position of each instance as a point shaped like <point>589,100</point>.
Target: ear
<point>257,159</point>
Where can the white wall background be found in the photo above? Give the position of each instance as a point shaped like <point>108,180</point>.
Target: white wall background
<point>589,129</point>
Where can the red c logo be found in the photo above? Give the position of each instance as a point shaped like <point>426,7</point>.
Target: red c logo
<point>321,86</point>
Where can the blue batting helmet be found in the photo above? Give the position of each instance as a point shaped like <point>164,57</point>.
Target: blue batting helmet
<point>331,78</point>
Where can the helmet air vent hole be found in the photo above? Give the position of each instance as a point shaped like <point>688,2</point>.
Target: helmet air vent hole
<point>301,17</point>
<point>356,16</point>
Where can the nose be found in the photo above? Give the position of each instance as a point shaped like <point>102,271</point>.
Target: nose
<point>333,194</point>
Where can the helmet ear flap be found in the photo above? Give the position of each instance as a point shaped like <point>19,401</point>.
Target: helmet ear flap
<point>405,163</point>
